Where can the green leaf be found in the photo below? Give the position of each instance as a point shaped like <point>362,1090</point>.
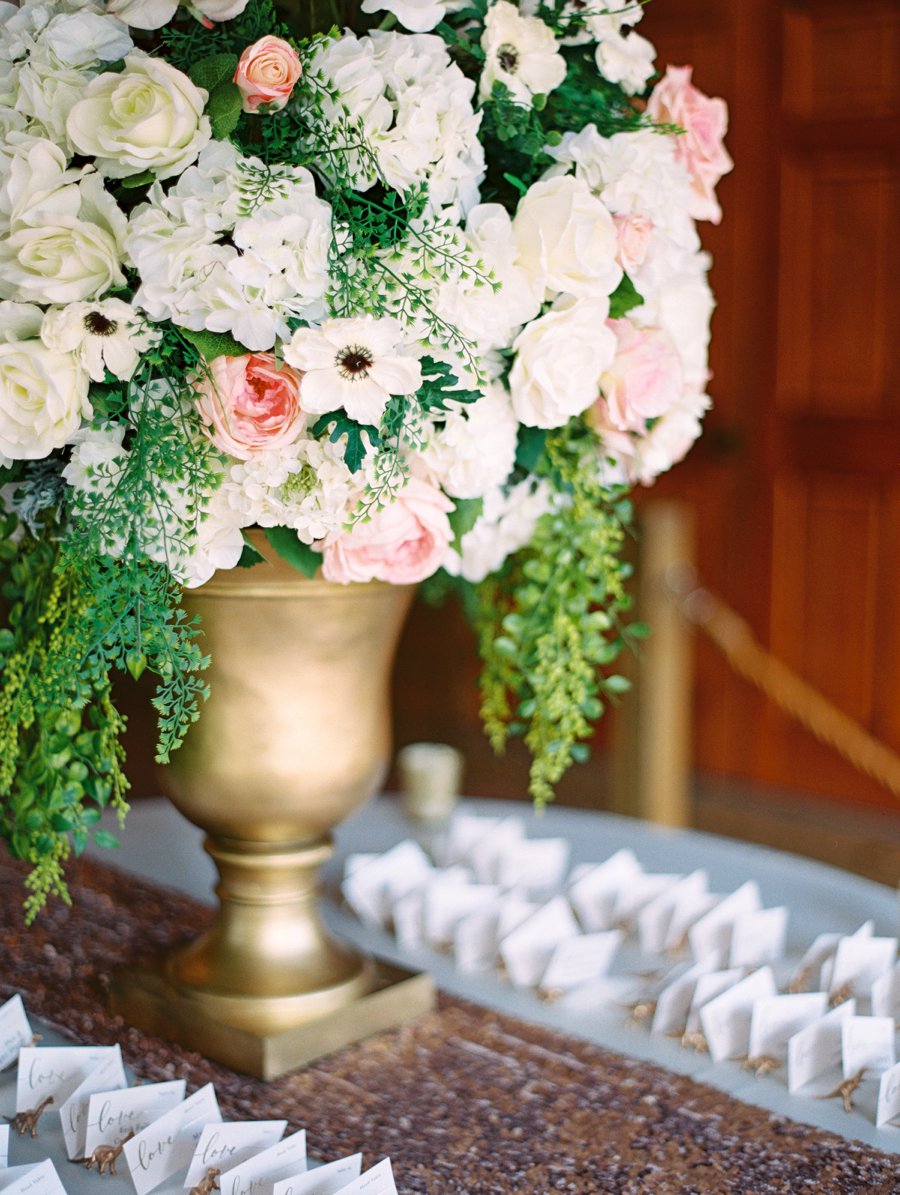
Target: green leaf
<point>440,386</point>
<point>136,662</point>
<point>104,839</point>
<point>144,179</point>
<point>299,555</point>
<point>213,344</point>
<point>464,517</point>
<point>623,298</point>
<point>530,447</point>
<point>249,556</point>
<point>356,447</point>
<point>209,72</point>
<point>224,108</point>
<point>616,684</point>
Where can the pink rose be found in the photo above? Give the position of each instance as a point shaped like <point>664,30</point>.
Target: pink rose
<point>633,238</point>
<point>644,380</point>
<point>699,148</point>
<point>250,404</point>
<point>267,72</point>
<point>403,543</point>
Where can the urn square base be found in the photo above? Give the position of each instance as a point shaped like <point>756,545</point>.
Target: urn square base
<point>144,997</point>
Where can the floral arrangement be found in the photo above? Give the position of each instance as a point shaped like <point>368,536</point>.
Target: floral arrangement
<point>421,295</point>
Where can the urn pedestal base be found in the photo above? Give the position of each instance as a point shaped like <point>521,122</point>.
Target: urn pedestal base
<point>145,997</point>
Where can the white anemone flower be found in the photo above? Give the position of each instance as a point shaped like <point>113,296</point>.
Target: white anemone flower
<point>356,364</point>
<point>520,52</point>
<point>108,335</point>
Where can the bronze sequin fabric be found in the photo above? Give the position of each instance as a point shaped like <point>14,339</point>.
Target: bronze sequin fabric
<point>465,1101</point>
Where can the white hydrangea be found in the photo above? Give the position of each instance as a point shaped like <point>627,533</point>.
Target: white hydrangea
<point>414,106</point>
<point>475,448</point>
<point>506,524</point>
<point>274,265</point>
<point>94,468</point>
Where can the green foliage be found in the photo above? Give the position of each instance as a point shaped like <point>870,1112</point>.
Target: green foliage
<point>623,298</point>
<point>464,516</point>
<point>224,108</point>
<point>301,556</point>
<point>209,72</point>
<point>550,624</point>
<point>440,386</point>
<point>213,344</point>
<point>359,436</point>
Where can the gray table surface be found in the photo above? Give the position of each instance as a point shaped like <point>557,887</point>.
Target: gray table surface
<point>160,845</point>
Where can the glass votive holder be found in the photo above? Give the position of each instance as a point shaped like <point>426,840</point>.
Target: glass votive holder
<point>430,780</point>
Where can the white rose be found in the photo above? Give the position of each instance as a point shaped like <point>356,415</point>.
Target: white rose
<point>84,38</point>
<point>566,239</point>
<point>559,360</point>
<point>149,117</point>
<point>521,53</point>
<point>43,399</point>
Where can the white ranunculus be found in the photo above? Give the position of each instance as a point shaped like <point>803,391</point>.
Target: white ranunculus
<point>149,117</point>
<point>627,61</point>
<point>43,399</point>
<point>521,53</point>
<point>559,360</point>
<point>566,239</point>
<point>109,335</point>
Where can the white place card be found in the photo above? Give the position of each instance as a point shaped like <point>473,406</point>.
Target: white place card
<point>534,866</point>
<point>776,1019</point>
<point>228,1143</point>
<point>113,1115</point>
<point>655,918</point>
<point>259,1174</point>
<point>324,1180</point>
<point>593,894</point>
<point>708,987</point>
<point>526,951</point>
<point>886,994</point>
<point>167,1145</point>
<point>463,832</point>
<point>639,893</point>
<point>40,1179</point>
<point>888,1096</point>
<point>107,1076</point>
<point>371,888</point>
<point>686,914</point>
<point>866,930</point>
<point>726,1018</point>
<point>447,902</point>
<point>858,962</point>
<point>713,930</point>
<point>580,960</point>
<point>54,1071</point>
<point>4,1146</point>
<point>475,940</point>
<point>805,975</point>
<point>377,1181</point>
<point>357,860</point>
<point>15,1030</point>
<point>867,1043</point>
<point>485,854</point>
<point>512,912</point>
<point>816,1050</point>
<point>673,1002</point>
<point>758,937</point>
<point>408,914</point>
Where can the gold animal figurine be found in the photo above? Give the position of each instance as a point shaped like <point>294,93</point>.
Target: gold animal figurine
<point>27,1121</point>
<point>846,1089</point>
<point>104,1156</point>
<point>761,1064</point>
<point>207,1184</point>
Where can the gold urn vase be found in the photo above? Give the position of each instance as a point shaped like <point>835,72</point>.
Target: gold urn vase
<point>294,737</point>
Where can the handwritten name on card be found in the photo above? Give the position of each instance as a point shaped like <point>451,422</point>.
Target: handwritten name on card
<point>227,1144</point>
<point>107,1076</point>
<point>112,1115</point>
<point>377,1181</point>
<point>867,1043</point>
<point>41,1179</point>
<point>167,1145</point>
<point>15,1030</point>
<point>888,1096</point>
<point>54,1071</point>
<point>258,1175</point>
<point>324,1180</point>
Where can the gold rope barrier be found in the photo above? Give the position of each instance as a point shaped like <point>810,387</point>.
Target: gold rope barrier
<point>734,638</point>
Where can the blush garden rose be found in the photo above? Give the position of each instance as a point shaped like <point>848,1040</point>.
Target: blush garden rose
<point>266,74</point>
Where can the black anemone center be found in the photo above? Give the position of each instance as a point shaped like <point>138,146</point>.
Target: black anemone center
<point>98,324</point>
<point>508,57</point>
<point>354,362</point>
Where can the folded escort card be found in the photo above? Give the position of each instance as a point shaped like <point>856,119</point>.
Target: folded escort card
<point>4,1146</point>
<point>168,1144</point>
<point>377,1181</point>
<point>107,1076</point>
<point>258,1175</point>
<point>324,1180</point>
<point>15,1031</point>
<point>38,1179</point>
<point>888,1097</point>
<point>527,950</point>
<point>726,1018</point>
<point>814,1053</point>
<point>52,1073</point>
<point>227,1144</point>
<point>112,1115</point>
